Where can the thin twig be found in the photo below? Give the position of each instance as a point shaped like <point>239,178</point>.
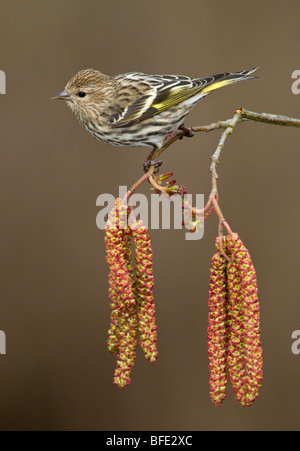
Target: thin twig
<point>136,185</point>
<point>267,118</point>
<point>231,124</point>
<point>213,168</point>
<point>214,126</point>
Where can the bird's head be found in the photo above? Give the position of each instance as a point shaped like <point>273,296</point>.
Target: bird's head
<point>84,92</point>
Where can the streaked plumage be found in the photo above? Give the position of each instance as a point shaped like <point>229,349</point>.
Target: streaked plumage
<point>135,109</point>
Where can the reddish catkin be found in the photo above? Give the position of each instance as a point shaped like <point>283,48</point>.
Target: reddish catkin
<point>122,334</point>
<point>244,358</point>
<point>144,286</point>
<point>130,291</point>
<point>234,345</point>
<point>216,332</point>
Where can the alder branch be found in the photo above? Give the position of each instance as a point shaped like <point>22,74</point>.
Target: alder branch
<point>240,115</point>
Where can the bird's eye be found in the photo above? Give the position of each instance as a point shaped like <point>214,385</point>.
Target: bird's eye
<point>82,94</point>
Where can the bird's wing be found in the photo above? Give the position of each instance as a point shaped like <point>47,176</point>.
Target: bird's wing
<point>158,93</point>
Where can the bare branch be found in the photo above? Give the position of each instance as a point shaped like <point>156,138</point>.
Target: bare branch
<point>240,115</point>
<point>275,119</point>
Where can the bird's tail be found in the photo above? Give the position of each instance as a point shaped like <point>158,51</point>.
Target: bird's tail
<point>226,78</point>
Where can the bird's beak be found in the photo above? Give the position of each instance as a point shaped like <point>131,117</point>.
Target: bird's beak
<point>64,95</point>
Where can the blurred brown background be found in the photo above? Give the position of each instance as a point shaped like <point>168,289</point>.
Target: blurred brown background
<point>54,307</point>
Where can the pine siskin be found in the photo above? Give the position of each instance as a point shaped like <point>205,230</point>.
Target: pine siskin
<point>135,109</point>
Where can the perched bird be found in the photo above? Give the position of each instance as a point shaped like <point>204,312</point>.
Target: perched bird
<point>135,109</point>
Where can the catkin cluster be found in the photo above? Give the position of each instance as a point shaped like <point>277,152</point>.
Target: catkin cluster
<point>234,346</point>
<point>131,292</point>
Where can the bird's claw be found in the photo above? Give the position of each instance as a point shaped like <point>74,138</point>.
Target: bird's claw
<point>148,163</point>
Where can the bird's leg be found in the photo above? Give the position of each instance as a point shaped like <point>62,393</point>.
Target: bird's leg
<point>177,134</point>
<point>150,162</point>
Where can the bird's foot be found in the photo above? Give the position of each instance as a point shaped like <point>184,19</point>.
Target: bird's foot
<point>188,131</point>
<point>149,162</point>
